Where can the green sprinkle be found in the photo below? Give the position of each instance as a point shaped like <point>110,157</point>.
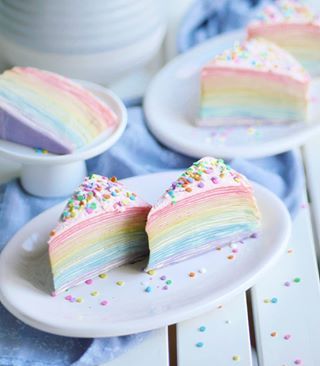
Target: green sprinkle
<point>169,282</point>
<point>297,280</point>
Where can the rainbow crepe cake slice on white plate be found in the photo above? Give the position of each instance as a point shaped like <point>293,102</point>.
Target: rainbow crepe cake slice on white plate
<point>210,205</point>
<point>294,26</point>
<point>253,82</point>
<point>44,110</point>
<point>101,228</point>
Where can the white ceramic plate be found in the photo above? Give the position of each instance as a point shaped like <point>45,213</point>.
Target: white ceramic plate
<point>27,155</point>
<point>25,275</point>
<point>172,102</point>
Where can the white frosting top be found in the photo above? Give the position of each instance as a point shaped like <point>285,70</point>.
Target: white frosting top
<point>204,175</point>
<point>260,55</point>
<point>95,195</point>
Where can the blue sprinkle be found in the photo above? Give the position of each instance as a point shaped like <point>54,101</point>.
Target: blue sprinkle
<point>202,328</point>
<point>199,344</point>
<point>113,194</point>
<point>274,300</point>
<point>148,289</point>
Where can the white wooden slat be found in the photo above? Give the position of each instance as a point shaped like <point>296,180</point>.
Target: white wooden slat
<point>225,339</point>
<point>288,329</point>
<point>152,351</point>
<point>312,165</point>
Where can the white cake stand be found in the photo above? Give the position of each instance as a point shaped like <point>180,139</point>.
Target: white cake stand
<point>49,175</point>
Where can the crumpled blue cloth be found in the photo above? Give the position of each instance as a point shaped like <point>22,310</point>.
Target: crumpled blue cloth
<point>136,153</point>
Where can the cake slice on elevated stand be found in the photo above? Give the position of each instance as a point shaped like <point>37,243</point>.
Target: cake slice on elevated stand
<point>101,228</point>
<point>210,205</point>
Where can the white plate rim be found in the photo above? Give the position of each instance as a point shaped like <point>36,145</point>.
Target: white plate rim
<point>156,321</point>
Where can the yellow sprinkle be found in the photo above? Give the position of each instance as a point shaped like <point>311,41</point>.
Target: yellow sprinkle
<point>79,299</point>
<point>152,272</point>
<point>94,293</point>
<point>236,358</point>
<point>103,275</point>
<point>120,283</point>
<point>266,301</point>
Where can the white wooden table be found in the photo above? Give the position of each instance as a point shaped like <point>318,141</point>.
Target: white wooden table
<point>277,321</point>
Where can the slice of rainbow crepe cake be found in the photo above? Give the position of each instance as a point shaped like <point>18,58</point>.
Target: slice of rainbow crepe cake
<point>255,81</point>
<point>101,227</point>
<point>44,110</point>
<point>292,25</point>
<point>210,205</point>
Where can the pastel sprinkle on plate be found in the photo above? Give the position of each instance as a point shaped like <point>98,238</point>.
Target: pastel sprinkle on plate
<point>103,275</point>
<point>120,283</point>
<point>202,328</point>
<point>94,293</point>
<point>236,358</point>
<point>199,344</point>
<point>104,302</point>
<point>148,289</point>
<point>88,282</point>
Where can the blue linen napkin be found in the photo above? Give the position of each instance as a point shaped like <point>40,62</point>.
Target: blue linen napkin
<point>136,153</point>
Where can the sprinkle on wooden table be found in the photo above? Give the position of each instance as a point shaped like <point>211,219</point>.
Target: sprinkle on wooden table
<point>199,344</point>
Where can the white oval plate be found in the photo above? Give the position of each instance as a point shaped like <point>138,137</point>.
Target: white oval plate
<point>25,275</point>
<point>172,102</point>
<point>26,155</point>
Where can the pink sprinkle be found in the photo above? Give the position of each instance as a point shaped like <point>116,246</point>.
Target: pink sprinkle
<point>214,180</point>
<point>69,297</point>
<point>234,250</point>
<point>88,282</point>
<point>89,210</point>
<point>298,362</point>
<point>104,303</point>
<point>287,337</point>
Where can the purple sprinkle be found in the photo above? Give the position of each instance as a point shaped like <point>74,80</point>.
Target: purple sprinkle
<point>200,185</point>
<point>73,299</point>
<point>162,278</point>
<point>287,283</point>
<point>215,180</point>
<point>165,287</point>
<point>104,302</point>
<point>254,235</point>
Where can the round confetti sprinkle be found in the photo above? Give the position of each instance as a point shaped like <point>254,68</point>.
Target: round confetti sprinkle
<point>230,257</point>
<point>199,344</point>
<point>236,358</point>
<point>79,299</point>
<point>287,337</point>
<point>152,272</point>
<point>298,362</point>
<point>104,302</point>
<point>103,275</point>
<point>289,251</point>
<point>192,274</point>
<point>165,287</point>
<point>68,298</point>
<point>202,270</point>
<point>120,283</point>
<point>94,293</point>
<point>219,306</point>
<point>162,278</point>
<point>88,282</point>
<point>266,301</point>
<point>297,280</point>
<point>148,289</point>
<point>273,334</point>
<point>202,328</point>
<point>287,284</point>
<point>169,282</point>
<point>274,300</point>
<point>73,299</point>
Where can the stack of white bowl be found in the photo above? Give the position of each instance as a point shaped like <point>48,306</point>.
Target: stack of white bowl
<point>97,40</point>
